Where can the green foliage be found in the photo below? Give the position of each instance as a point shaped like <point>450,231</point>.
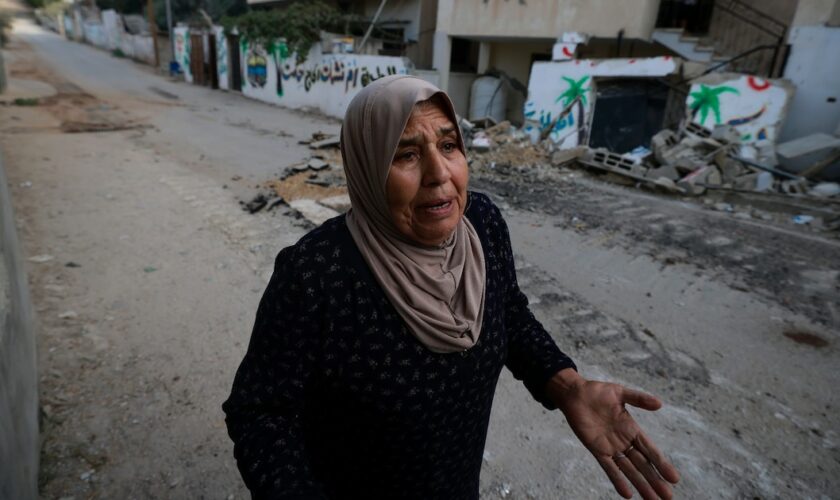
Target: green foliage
<point>300,25</point>
<point>25,101</point>
<point>54,9</point>
<point>117,52</point>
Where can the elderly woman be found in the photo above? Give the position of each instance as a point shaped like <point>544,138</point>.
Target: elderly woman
<point>380,338</point>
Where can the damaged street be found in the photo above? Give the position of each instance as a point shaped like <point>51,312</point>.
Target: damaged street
<point>150,212</point>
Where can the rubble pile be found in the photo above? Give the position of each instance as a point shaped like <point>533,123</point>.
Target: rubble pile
<point>695,160</point>
<point>314,189</point>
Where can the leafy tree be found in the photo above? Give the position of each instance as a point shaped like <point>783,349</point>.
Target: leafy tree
<point>300,25</point>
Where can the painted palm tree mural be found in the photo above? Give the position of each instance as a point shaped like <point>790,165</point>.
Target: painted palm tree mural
<point>706,99</point>
<point>575,92</point>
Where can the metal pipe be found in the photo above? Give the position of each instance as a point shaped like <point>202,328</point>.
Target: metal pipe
<point>372,22</point>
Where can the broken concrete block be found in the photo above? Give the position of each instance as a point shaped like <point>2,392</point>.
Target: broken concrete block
<point>563,156</point>
<point>731,169</point>
<point>825,189</point>
<point>794,186</point>
<point>726,134</point>
<point>696,182</point>
<point>500,128</point>
<point>687,165</point>
<point>326,143</point>
<point>666,171</point>
<point>340,203</point>
<point>695,130</point>
<point>667,184</point>
<point>480,143</point>
<point>317,164</point>
<point>312,211</point>
<point>608,159</point>
<point>661,143</point>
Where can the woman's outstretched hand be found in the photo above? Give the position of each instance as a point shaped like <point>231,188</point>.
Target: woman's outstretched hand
<point>596,413</point>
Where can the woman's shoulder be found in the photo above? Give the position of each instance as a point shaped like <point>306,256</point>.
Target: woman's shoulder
<point>325,244</point>
<point>483,213</point>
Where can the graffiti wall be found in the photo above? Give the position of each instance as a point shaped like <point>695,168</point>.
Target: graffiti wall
<point>561,94</point>
<point>326,82</point>
<point>182,51</point>
<point>222,60</point>
<point>754,106</point>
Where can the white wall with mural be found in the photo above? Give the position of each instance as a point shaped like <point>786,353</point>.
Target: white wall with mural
<point>95,34</point>
<point>754,106</point>
<point>113,26</point>
<point>222,59</point>
<point>555,85</point>
<point>182,51</point>
<point>326,82</point>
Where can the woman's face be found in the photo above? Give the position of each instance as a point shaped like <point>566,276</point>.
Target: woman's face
<point>427,182</point>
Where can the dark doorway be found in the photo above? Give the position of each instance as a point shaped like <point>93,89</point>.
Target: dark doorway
<point>235,68</point>
<point>628,112</point>
<point>212,66</point>
<point>694,16</point>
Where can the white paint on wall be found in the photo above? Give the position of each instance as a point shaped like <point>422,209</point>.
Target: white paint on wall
<point>112,24</point>
<point>556,84</point>
<point>325,82</point>
<point>813,66</point>
<point>222,59</point>
<point>95,34</point>
<point>754,106</point>
<point>182,51</point>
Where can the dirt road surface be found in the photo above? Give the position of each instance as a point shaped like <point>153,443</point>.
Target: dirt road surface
<point>146,274</point>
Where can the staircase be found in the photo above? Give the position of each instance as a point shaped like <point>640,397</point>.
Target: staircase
<point>740,38</point>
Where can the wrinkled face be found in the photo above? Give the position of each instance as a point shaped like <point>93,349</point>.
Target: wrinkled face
<point>427,183</point>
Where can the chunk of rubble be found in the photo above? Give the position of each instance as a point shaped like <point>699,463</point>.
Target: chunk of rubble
<point>825,190</point>
<point>696,182</point>
<point>317,164</point>
<point>340,203</point>
<point>313,211</point>
<point>329,142</point>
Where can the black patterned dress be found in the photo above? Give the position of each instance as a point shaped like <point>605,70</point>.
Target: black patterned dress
<point>336,399</point>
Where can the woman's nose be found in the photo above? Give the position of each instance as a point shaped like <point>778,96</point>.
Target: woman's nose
<point>435,170</point>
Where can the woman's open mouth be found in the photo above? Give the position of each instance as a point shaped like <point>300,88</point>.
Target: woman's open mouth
<point>438,207</point>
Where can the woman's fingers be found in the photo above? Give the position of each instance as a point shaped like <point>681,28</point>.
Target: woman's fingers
<point>616,477</point>
<point>631,472</point>
<point>662,489</point>
<point>640,399</point>
<point>654,456</point>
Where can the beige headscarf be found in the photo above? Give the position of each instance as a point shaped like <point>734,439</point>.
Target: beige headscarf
<point>438,292</point>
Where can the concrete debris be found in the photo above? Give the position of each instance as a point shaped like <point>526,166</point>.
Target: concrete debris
<point>317,164</point>
<point>313,211</point>
<point>825,189</point>
<point>324,142</point>
<point>40,259</point>
<point>480,142</point>
<point>339,203</point>
<point>563,156</point>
